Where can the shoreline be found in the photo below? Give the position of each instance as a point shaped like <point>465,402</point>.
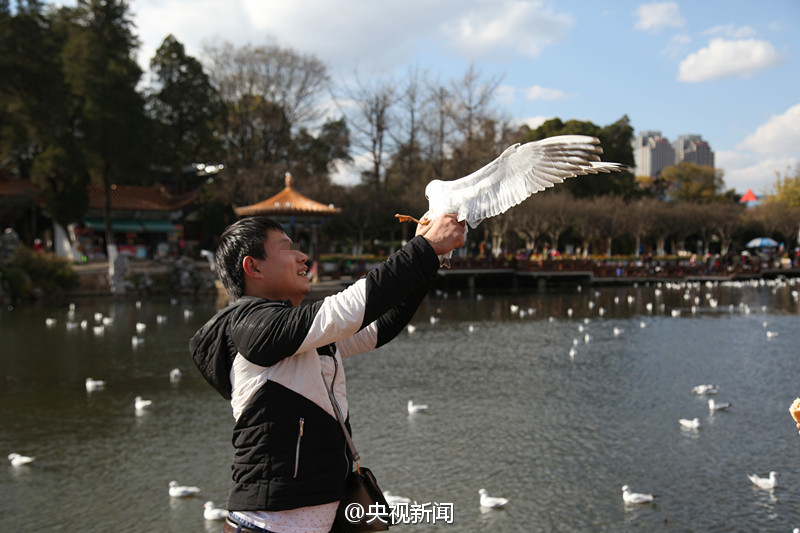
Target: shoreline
<point>150,278</point>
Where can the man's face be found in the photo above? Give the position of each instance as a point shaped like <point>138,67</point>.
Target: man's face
<point>284,270</point>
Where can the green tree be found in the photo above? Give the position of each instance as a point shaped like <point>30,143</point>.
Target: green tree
<point>689,182</point>
<point>186,110</point>
<point>33,107</point>
<point>615,139</point>
<point>61,173</point>
<point>786,189</point>
<point>102,76</point>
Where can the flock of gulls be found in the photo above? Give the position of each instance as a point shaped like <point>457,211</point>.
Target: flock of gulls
<point>692,294</point>
<point>695,295</point>
<point>99,325</point>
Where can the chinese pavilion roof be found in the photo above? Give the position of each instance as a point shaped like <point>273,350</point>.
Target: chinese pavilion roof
<point>288,202</point>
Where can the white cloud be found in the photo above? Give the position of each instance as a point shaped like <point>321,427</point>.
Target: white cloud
<point>677,46</point>
<point>745,171</point>
<point>731,31</point>
<point>505,94</point>
<point>780,134</point>
<point>522,27</point>
<point>532,122</point>
<point>758,159</point>
<point>724,58</point>
<point>537,92</point>
<point>658,15</point>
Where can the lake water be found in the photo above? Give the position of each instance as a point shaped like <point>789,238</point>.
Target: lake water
<point>509,410</point>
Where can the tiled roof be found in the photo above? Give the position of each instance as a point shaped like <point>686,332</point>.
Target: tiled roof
<point>13,186</point>
<point>138,198</point>
<point>287,202</point>
<point>123,197</point>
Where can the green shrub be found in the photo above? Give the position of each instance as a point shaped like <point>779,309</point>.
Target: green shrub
<point>28,271</point>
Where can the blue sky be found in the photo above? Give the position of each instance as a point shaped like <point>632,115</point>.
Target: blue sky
<point>729,71</point>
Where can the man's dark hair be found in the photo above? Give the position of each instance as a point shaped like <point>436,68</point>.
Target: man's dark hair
<point>242,238</point>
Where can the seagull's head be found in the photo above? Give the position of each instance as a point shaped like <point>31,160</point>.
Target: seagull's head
<point>433,190</point>
<point>625,488</point>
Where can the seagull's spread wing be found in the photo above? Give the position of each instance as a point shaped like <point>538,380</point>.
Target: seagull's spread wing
<point>520,171</point>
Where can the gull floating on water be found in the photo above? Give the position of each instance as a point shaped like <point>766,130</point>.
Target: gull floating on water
<point>393,500</point>
<point>181,491</point>
<point>175,375</point>
<point>714,406</point>
<point>411,328</point>
<point>139,404</point>
<point>19,460</point>
<point>141,327</point>
<point>213,513</point>
<point>491,501</point>
<point>94,384</point>
<point>618,331</point>
<point>706,388</point>
<point>688,423</point>
<point>771,334</point>
<point>766,483</point>
<point>635,497</point>
<point>416,407</point>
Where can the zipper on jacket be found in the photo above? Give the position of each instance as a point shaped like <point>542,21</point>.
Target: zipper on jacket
<point>297,450</point>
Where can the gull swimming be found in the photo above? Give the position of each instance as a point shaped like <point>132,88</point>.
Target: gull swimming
<point>94,384</point>
<point>714,406</point>
<point>766,483</point>
<point>411,328</point>
<point>635,497</point>
<point>181,491</point>
<point>688,423</point>
<point>213,513</point>
<point>19,460</point>
<point>175,375</point>
<point>491,502</point>
<point>416,407</point>
<point>393,500</point>
<point>706,388</point>
<point>139,404</point>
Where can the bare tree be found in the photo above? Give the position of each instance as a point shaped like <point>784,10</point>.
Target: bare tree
<point>472,101</point>
<point>371,120</point>
<point>611,219</point>
<point>296,82</point>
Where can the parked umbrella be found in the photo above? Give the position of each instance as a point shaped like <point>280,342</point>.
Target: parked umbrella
<point>762,242</point>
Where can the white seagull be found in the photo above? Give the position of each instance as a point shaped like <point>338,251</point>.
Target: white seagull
<point>520,171</point>
<point>140,405</point>
<point>213,513</point>
<point>766,483</point>
<point>689,423</point>
<point>181,491</point>
<point>19,460</point>
<point>175,375</point>
<point>393,499</point>
<point>714,406</point>
<point>491,501</point>
<point>706,388</point>
<point>94,384</point>
<point>416,407</point>
<point>635,497</point>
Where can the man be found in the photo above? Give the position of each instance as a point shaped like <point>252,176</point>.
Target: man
<point>275,359</point>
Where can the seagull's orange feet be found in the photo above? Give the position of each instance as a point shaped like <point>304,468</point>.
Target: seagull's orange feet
<point>407,218</point>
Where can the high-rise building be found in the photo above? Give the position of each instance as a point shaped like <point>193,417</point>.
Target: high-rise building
<point>653,153</point>
<point>693,149</point>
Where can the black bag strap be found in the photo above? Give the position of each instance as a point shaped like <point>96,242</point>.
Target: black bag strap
<point>340,418</point>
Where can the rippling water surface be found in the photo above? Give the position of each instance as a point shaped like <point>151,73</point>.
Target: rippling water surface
<point>510,410</point>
